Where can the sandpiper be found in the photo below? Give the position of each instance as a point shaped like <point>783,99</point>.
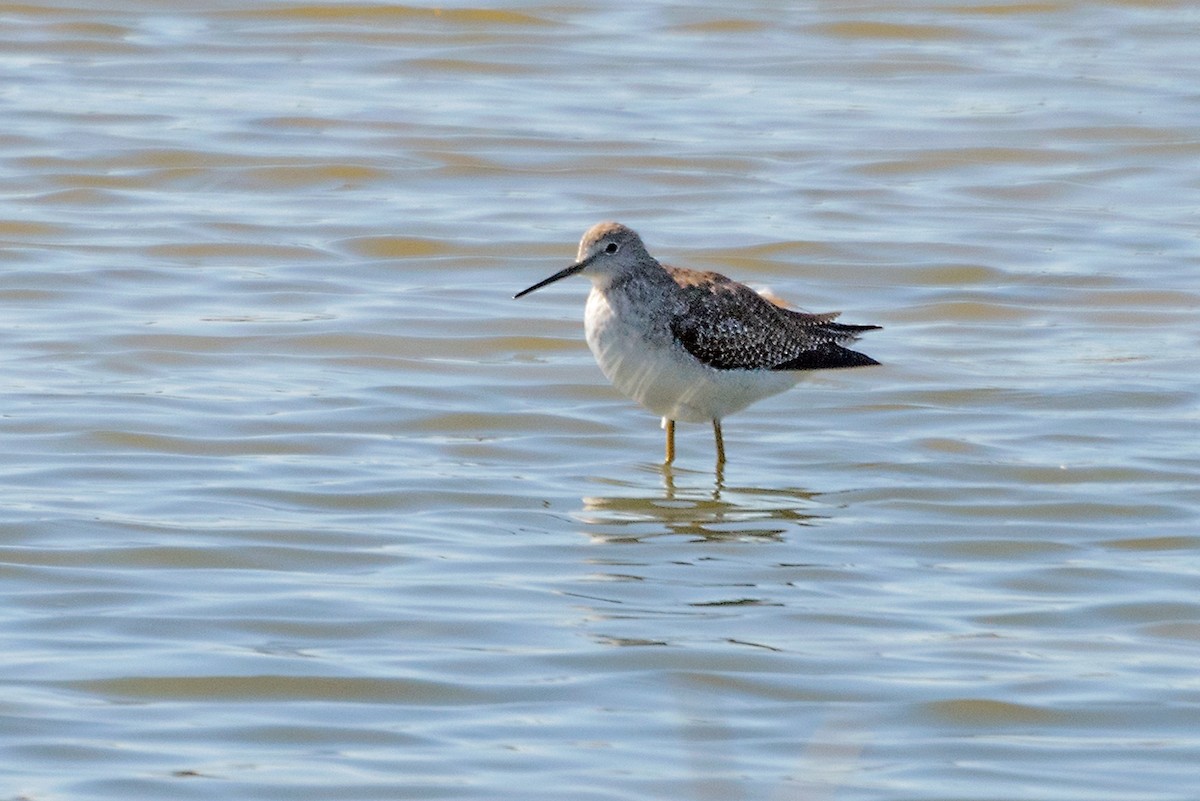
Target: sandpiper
<point>694,346</point>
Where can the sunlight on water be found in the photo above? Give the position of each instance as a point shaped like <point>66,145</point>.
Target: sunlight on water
<point>299,503</point>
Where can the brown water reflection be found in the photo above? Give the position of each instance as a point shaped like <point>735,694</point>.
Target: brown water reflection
<point>297,502</point>
<point>724,513</point>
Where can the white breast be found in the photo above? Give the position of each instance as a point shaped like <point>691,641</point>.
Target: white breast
<point>642,360</point>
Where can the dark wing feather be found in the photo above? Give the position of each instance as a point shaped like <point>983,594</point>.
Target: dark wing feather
<point>729,326</point>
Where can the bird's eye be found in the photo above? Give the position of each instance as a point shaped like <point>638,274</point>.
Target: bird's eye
<point>611,248</point>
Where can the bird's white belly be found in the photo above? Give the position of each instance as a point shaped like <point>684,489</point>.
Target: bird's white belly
<point>645,363</point>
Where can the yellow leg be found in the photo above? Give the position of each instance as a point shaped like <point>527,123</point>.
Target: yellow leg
<point>670,426</point>
<point>720,443</point>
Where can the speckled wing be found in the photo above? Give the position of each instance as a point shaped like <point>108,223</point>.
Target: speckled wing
<point>728,326</point>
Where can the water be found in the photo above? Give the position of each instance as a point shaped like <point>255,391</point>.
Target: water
<point>298,503</point>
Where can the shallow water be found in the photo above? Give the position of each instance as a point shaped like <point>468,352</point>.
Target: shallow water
<point>298,503</point>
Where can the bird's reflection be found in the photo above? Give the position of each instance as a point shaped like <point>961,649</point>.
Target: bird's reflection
<point>707,510</point>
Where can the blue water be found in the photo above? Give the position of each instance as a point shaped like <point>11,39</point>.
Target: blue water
<point>297,502</point>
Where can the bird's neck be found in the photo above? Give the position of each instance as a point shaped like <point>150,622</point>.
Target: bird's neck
<point>646,276</point>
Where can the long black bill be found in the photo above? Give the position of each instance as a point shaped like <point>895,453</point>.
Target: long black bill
<point>572,270</point>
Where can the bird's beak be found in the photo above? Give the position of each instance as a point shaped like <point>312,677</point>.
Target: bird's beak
<point>577,267</point>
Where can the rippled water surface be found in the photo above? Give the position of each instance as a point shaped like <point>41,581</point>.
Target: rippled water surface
<point>299,503</point>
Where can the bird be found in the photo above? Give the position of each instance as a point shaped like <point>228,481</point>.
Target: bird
<point>694,346</point>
